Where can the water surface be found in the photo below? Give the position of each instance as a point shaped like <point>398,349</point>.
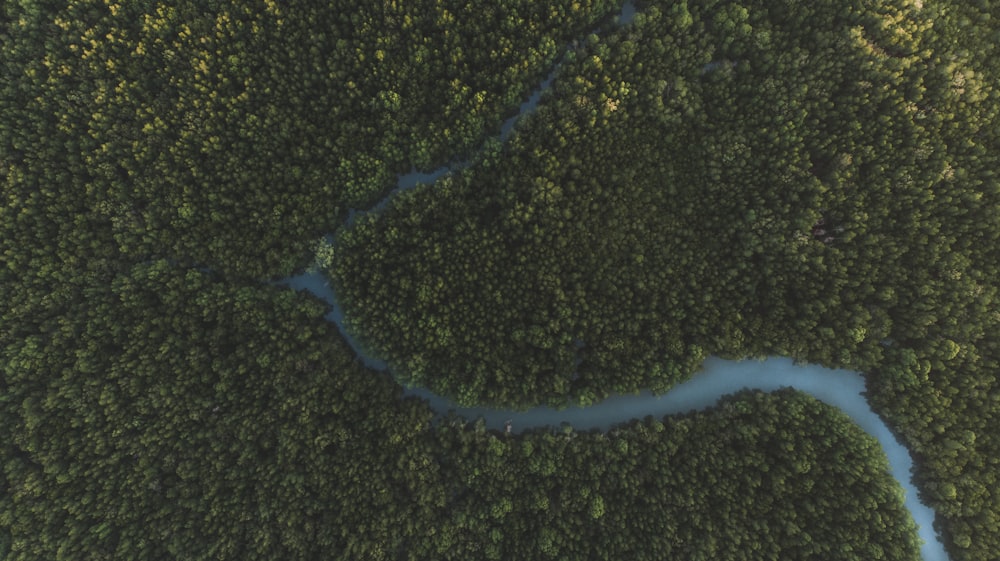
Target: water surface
<point>839,388</point>
<point>842,389</point>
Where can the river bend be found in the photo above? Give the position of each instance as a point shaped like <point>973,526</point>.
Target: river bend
<point>840,388</point>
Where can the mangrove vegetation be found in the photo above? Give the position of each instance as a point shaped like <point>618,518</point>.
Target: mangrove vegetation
<point>731,178</point>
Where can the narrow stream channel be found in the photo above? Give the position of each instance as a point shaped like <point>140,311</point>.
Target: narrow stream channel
<point>840,388</point>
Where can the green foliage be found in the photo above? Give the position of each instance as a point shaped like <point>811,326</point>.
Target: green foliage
<point>768,476</point>
<point>722,178</point>
<point>698,195</point>
<point>231,135</point>
<point>181,417</point>
<point>734,179</point>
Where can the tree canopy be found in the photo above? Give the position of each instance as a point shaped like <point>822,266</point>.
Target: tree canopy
<point>233,135</point>
<point>183,416</point>
<point>718,177</point>
<point>735,179</point>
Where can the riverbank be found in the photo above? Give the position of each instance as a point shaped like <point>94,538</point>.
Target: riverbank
<point>841,388</point>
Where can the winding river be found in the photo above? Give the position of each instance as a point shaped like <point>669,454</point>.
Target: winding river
<point>840,388</point>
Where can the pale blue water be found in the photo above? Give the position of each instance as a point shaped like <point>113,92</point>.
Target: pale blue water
<point>319,286</point>
<point>840,388</point>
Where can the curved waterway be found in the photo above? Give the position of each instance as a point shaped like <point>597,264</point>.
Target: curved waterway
<point>840,388</point>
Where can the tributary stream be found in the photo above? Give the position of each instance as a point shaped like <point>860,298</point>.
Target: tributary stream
<point>840,388</point>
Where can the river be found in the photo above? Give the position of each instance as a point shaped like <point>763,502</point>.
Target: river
<point>840,388</point>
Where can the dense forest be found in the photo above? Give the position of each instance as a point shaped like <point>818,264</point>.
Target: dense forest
<point>186,417</point>
<point>730,178</point>
<point>232,135</point>
<point>734,180</point>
